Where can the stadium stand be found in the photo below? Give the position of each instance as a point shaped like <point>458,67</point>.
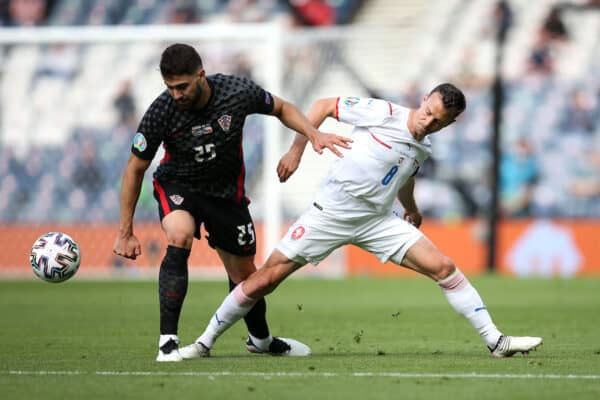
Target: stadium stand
<point>557,110</point>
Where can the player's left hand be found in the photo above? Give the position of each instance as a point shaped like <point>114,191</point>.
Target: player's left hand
<point>414,218</point>
<point>288,164</point>
<point>330,141</point>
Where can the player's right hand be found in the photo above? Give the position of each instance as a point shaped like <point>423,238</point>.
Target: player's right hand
<point>288,164</point>
<point>127,246</point>
<point>331,142</point>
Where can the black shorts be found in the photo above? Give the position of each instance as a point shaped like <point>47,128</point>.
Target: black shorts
<point>229,225</point>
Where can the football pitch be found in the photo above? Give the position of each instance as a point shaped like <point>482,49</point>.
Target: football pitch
<point>371,339</point>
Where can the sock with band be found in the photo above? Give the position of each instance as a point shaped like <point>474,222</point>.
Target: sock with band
<point>235,306</point>
<point>172,288</point>
<point>463,297</point>
<point>256,319</point>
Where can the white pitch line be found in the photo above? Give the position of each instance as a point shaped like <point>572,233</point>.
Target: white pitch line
<point>43,373</point>
<point>404,375</point>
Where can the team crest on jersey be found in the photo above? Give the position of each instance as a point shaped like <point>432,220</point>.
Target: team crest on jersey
<point>176,199</point>
<point>350,101</point>
<point>298,232</point>
<point>225,122</point>
<point>139,141</point>
<point>205,129</point>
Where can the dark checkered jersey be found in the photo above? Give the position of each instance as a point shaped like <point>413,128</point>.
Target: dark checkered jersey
<point>203,148</point>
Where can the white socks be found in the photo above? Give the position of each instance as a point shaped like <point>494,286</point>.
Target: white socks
<point>262,344</point>
<point>163,339</point>
<point>463,297</point>
<point>235,306</point>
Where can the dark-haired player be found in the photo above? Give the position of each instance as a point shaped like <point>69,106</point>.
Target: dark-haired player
<point>199,120</point>
<point>354,206</point>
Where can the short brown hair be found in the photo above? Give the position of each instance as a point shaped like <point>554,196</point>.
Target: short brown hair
<point>452,97</point>
<point>179,59</point>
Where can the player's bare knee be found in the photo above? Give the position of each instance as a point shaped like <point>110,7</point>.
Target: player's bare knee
<point>180,239</point>
<point>445,269</point>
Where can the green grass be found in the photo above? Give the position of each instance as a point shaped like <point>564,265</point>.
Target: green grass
<point>396,326</point>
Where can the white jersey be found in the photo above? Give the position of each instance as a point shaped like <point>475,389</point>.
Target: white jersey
<point>383,157</point>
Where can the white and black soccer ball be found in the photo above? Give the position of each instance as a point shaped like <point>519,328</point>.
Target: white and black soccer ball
<point>55,257</point>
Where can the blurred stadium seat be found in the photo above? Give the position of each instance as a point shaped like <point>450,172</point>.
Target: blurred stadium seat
<point>430,41</point>
<point>536,105</point>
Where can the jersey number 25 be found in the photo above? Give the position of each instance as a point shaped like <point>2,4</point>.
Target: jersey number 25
<point>246,235</point>
<point>205,152</point>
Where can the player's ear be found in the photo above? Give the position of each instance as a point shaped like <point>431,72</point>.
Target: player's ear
<point>201,73</point>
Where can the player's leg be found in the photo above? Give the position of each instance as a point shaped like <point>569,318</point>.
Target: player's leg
<point>231,233</point>
<point>424,257</point>
<point>240,301</point>
<point>179,227</point>
<point>238,269</point>
<point>302,244</point>
<point>259,338</point>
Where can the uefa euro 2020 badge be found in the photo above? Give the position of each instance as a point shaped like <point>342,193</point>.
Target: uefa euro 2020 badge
<point>139,141</point>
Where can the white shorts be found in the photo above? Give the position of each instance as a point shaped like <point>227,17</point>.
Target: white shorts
<point>318,232</point>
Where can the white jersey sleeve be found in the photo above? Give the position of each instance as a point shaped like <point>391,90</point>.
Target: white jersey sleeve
<point>363,111</point>
<point>383,157</point>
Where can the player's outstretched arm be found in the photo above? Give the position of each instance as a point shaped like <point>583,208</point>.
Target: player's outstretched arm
<point>126,244</point>
<point>407,199</point>
<point>291,117</point>
<point>319,111</point>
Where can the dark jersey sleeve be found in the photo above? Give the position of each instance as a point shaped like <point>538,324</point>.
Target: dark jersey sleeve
<point>150,132</point>
<point>261,101</point>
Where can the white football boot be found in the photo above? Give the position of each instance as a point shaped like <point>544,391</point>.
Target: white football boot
<point>281,347</point>
<point>194,350</point>
<point>507,346</point>
<point>169,352</point>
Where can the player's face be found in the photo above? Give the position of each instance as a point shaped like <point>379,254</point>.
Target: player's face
<point>186,90</point>
<point>432,116</point>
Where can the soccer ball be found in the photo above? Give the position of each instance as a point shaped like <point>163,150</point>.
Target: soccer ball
<point>55,257</point>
